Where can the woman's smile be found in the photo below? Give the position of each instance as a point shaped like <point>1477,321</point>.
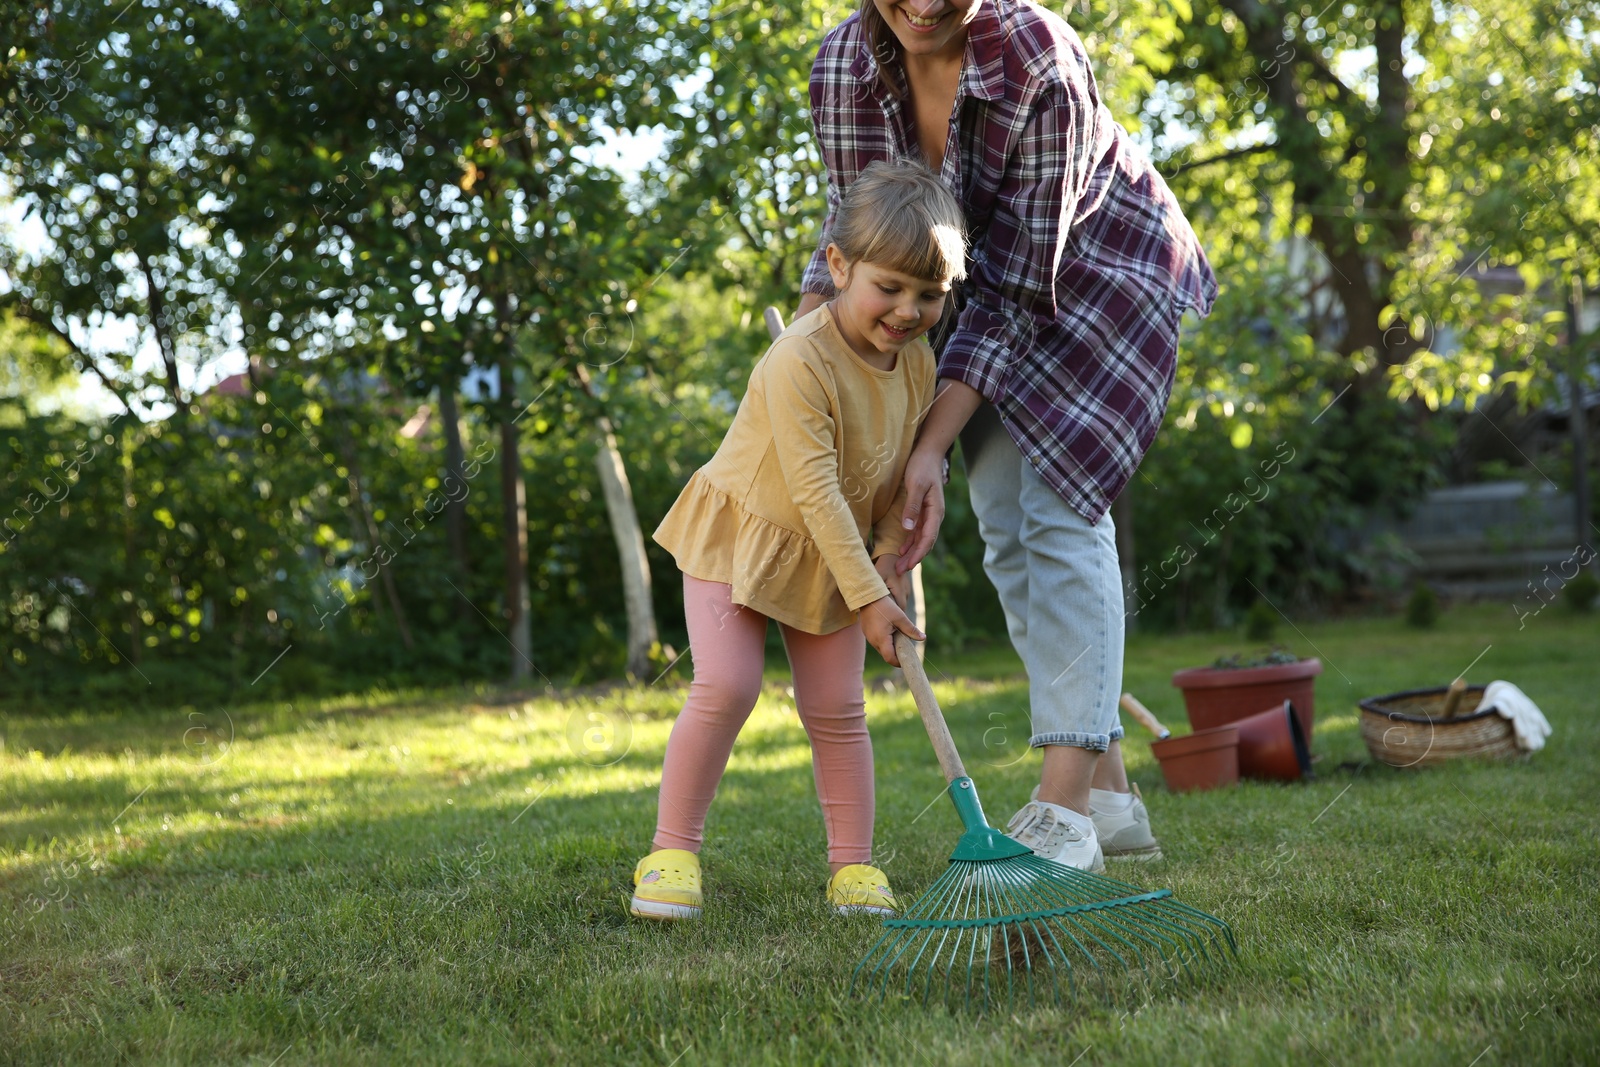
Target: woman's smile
<point>927,26</point>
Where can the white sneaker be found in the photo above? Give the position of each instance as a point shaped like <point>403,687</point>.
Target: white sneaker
<point>1054,835</point>
<point>1126,834</point>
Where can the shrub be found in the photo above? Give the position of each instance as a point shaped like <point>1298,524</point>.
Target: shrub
<point>1581,591</point>
<point>1261,623</point>
<point>1239,661</point>
<point>1422,610</point>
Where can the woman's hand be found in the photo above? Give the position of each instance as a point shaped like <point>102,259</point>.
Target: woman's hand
<point>899,585</point>
<point>879,620</point>
<point>953,404</point>
<point>924,506</point>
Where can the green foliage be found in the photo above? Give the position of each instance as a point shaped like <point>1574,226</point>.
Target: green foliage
<point>394,195</point>
<point>963,607</point>
<point>743,176</point>
<point>1422,609</point>
<point>34,366</point>
<point>1264,470</point>
<point>123,169</point>
<point>145,559</point>
<point>1277,655</point>
<point>201,550</point>
<point>1262,622</point>
<point>1580,593</point>
<point>1408,148</point>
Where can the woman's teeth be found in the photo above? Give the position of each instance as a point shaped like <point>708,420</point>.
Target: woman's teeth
<point>921,22</point>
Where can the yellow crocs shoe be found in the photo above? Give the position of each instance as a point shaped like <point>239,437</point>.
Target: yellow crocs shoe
<point>861,890</point>
<point>667,885</point>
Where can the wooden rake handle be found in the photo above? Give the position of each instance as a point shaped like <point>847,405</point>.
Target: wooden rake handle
<point>1131,705</point>
<point>774,319</point>
<point>944,745</point>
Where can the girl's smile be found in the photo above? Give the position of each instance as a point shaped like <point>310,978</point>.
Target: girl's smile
<point>880,311</point>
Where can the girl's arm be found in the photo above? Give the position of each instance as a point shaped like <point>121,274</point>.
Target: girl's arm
<point>800,412</point>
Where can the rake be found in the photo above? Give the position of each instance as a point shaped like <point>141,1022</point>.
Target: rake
<point>1003,925</point>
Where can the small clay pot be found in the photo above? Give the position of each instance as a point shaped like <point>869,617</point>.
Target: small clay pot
<point>1204,759</point>
<point>1272,745</point>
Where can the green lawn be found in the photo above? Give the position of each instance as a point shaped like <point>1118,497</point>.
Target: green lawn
<point>442,876</point>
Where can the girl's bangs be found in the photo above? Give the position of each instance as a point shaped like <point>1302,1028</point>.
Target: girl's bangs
<point>915,246</point>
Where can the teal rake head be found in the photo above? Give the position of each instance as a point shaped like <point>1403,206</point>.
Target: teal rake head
<point>1002,926</point>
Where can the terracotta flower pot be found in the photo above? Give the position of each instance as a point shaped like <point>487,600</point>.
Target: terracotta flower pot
<point>1217,696</point>
<point>1272,745</point>
<point>1205,759</point>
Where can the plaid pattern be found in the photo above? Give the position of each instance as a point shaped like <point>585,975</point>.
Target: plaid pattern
<point>1081,262</point>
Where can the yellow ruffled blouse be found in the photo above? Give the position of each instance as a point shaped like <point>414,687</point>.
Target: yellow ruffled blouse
<point>811,467</point>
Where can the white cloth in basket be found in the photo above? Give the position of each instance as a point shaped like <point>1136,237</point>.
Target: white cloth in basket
<point>1527,721</point>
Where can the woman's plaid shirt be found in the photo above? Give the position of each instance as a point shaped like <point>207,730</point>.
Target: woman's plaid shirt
<point>1080,264</point>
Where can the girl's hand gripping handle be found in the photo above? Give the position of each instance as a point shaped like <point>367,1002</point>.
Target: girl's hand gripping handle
<point>881,622</point>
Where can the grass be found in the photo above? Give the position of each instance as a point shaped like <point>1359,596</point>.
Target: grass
<point>442,876</point>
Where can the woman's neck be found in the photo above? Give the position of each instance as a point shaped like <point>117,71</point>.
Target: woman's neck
<point>939,67</point>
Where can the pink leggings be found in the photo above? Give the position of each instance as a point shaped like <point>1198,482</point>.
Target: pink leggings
<point>726,641</point>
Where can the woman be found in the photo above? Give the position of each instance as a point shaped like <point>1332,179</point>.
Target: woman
<point>1057,370</point>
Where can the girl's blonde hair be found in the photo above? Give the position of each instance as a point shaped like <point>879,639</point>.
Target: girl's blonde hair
<point>901,217</point>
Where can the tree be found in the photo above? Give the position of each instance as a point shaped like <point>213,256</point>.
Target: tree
<point>34,365</point>
<point>742,176</point>
<point>448,193</point>
<point>119,186</point>
<point>1378,122</point>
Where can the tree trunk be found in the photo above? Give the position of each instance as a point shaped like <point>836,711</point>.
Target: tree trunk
<point>164,342</point>
<point>630,551</point>
<point>129,503</point>
<point>629,536</point>
<point>1355,252</point>
<point>1579,419</point>
<point>455,491</point>
<point>514,505</point>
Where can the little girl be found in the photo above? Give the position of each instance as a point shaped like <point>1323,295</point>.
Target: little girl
<point>798,518</point>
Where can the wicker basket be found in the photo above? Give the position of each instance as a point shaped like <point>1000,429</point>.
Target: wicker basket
<point>1411,729</point>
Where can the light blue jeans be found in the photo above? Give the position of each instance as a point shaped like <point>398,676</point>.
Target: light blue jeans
<point>1060,585</point>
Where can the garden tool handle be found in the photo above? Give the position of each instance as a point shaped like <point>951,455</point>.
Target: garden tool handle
<point>944,745</point>
<point>1131,705</point>
<point>774,319</point>
<point>1452,699</point>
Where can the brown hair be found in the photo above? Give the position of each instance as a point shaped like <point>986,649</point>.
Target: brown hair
<point>901,217</point>
<point>883,45</point>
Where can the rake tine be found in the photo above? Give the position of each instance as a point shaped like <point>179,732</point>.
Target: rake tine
<point>1204,917</point>
<point>1197,936</point>
<point>1154,936</point>
<point>997,897</point>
